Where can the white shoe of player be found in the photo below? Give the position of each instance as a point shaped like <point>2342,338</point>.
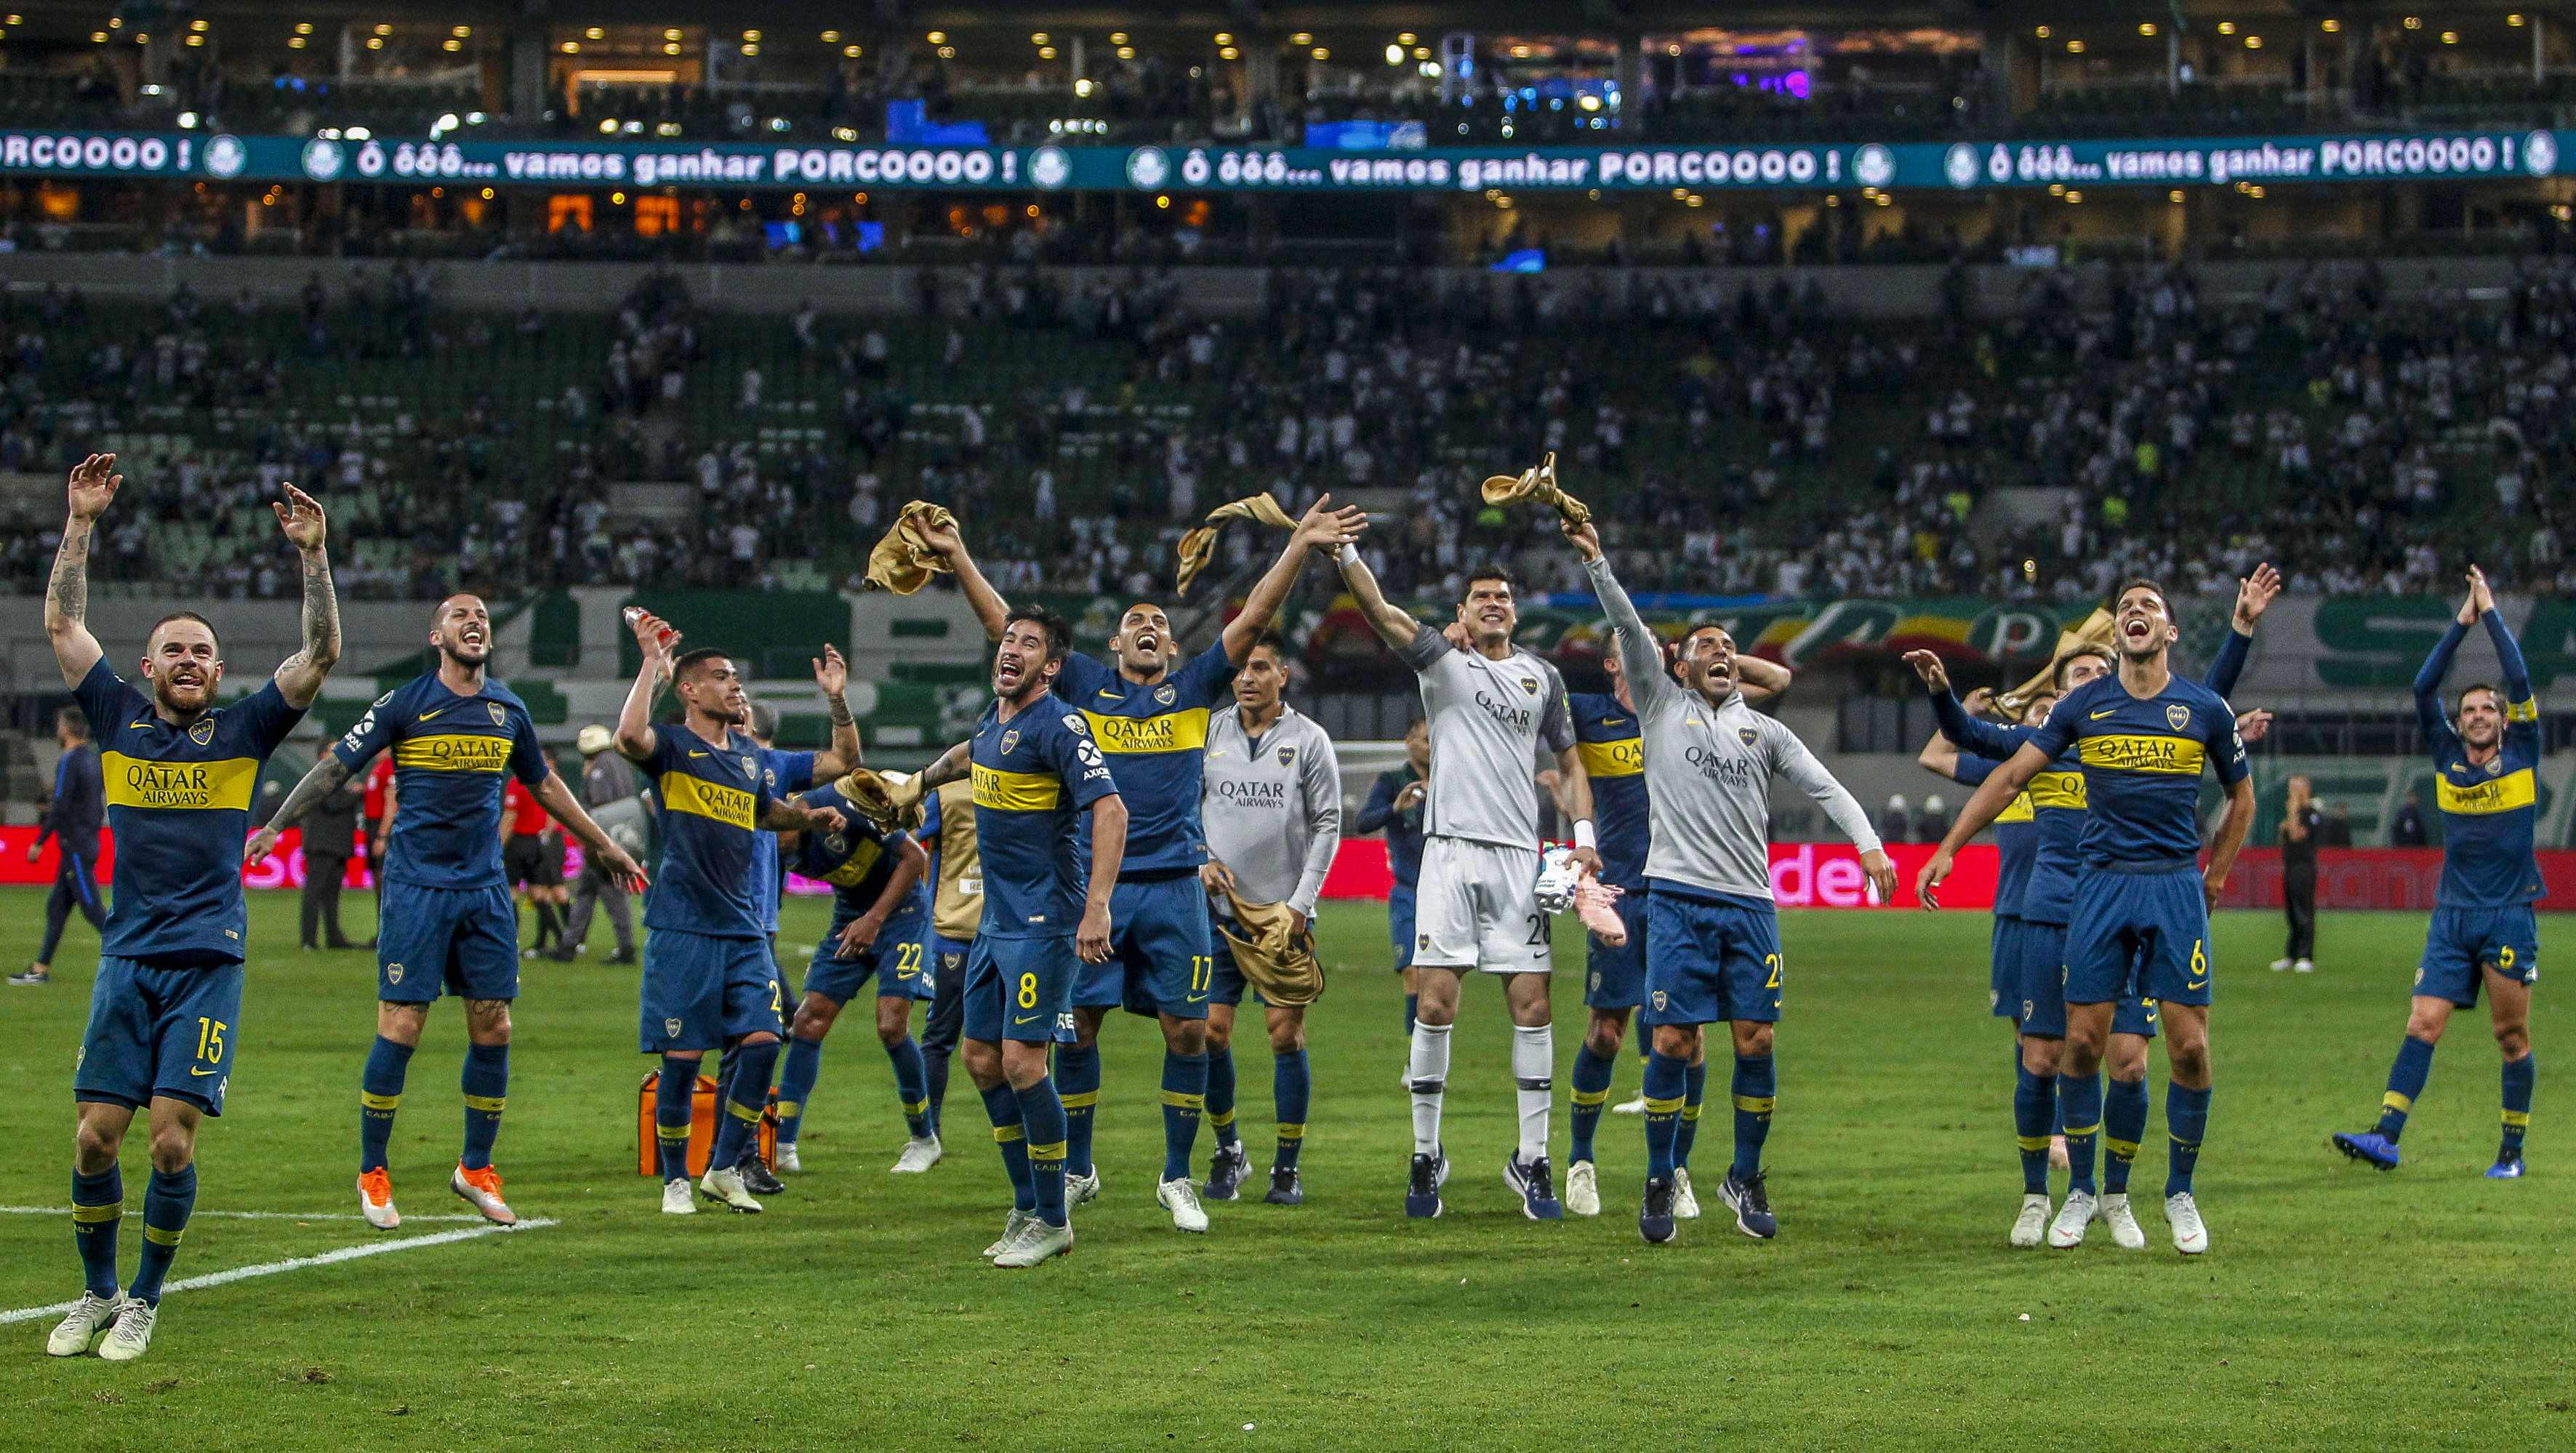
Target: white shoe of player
<point>788,1164</point>
<point>2279,964</point>
<point>723,1185</point>
<point>1582,1189</point>
<point>94,1314</point>
<point>676,1200</point>
<point>376,1200</point>
<point>2123,1222</point>
<point>919,1154</point>
<point>132,1332</point>
<point>2191,1238</point>
<point>1636,1106</point>
<point>1012,1225</point>
<point>1082,1190</point>
<point>2067,1231</point>
<point>2032,1223</point>
<point>1036,1242</point>
<point>2304,966</point>
<point>1181,1198</point>
<point>1685,1200</point>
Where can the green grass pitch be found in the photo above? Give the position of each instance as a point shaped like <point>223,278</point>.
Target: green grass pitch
<point>2339,1307</point>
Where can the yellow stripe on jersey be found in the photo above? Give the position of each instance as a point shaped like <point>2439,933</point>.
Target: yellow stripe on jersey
<point>863,860</point>
<point>699,797</point>
<point>1016,791</point>
<point>2510,792</point>
<point>456,752</point>
<point>1173,731</point>
<point>2524,710</point>
<point>179,786</point>
<point>2179,755</point>
<point>2058,789</point>
<point>1613,759</point>
<point>2017,810</point>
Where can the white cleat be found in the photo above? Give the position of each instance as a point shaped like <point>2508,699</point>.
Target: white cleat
<point>376,1200</point>
<point>2279,964</point>
<point>2191,1238</point>
<point>723,1186</point>
<point>93,1315</point>
<point>788,1164</point>
<point>1084,1189</point>
<point>1636,1106</point>
<point>1685,1200</point>
<point>919,1154</point>
<point>2032,1223</point>
<point>1036,1242</point>
<point>1582,1189</point>
<point>2067,1231</point>
<point>676,1200</point>
<point>2123,1222</point>
<point>1012,1225</point>
<point>481,1189</point>
<point>132,1332</point>
<point>1181,1198</point>
<point>2304,966</point>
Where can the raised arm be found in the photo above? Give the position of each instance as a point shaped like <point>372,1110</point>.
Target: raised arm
<point>299,677</point>
<point>1393,624</point>
<point>2428,681</point>
<point>1324,528</point>
<point>953,765</point>
<point>1985,739</point>
<point>981,597</point>
<point>1758,679</point>
<point>1990,799</point>
<point>1641,653</point>
<point>635,737</point>
<point>2518,706</point>
<point>93,488</point>
<point>832,674</point>
<point>2253,596</point>
<point>558,799</point>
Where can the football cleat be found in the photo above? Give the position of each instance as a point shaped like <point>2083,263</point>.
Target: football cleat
<point>1181,1197</point>
<point>481,1189</point>
<point>788,1164</point>
<point>92,1315</point>
<point>2508,1166</point>
<point>132,1333</point>
<point>723,1185</point>
<point>1036,1242</point>
<point>1535,1184</point>
<point>376,1200</point>
<point>2369,1146</point>
<point>1083,1189</point>
<point>1636,1106</point>
<point>2191,1238</point>
<point>31,977</point>
<point>2115,1213</point>
<point>1685,1200</point>
<point>1582,1189</point>
<point>757,1178</point>
<point>2032,1223</point>
<point>1655,1219</point>
<point>1226,1172</point>
<point>1286,1187</point>
<point>675,1198</point>
<point>921,1153</point>
<point>1594,906</point>
<point>1750,1199</point>
<point>1012,1225</point>
<point>2067,1231</point>
<point>1422,1192</point>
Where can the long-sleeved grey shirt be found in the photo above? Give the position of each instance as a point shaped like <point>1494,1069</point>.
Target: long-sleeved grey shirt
<point>1489,720</point>
<point>1272,809</point>
<point>1709,770</point>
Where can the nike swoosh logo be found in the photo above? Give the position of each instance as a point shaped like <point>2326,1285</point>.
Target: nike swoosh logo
<point>2097,716</point>
<point>2196,983</point>
<point>192,1069</point>
<point>1612,720</point>
<point>1195,999</point>
<point>697,754</point>
<point>426,715</point>
<point>1105,691</point>
<point>1025,1018</point>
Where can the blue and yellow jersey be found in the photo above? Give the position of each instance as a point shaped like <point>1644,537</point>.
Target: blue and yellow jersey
<point>1155,738</point>
<point>178,801</point>
<point>2141,762</point>
<point>2489,808</point>
<point>1403,829</point>
<point>784,774</point>
<point>713,797</point>
<point>856,858</point>
<point>451,755</point>
<point>1035,777</point>
<point>1614,757</point>
<point>2016,836</point>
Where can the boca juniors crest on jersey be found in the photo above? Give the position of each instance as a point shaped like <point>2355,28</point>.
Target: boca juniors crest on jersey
<point>498,715</point>
<point>2178,716</point>
<point>1287,756</point>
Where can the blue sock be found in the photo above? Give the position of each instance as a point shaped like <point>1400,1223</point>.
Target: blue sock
<point>743,1104</point>
<point>934,1079</point>
<point>2034,1102</point>
<point>804,1065</point>
<point>1220,1094</point>
<point>2124,1125</point>
<point>1292,1086</point>
<point>1757,1089</point>
<point>672,1100</point>
<point>1077,1083</point>
<point>2080,1097</point>
<point>1411,1003</point>
<point>1002,1104</point>
<point>167,1200</point>
<point>379,1095</point>
<point>2519,1077</point>
<point>1686,1133</point>
<point>98,1204</point>
<point>1042,1111</point>
<point>1664,1075</point>
<point>1184,1100</point>
<point>2186,1120</point>
<point>2405,1082</point>
<point>486,1082</point>
<point>1592,1072</point>
<point>909,1087</point>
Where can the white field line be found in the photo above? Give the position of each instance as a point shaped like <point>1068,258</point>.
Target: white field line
<point>234,1215</point>
<point>294,1263</point>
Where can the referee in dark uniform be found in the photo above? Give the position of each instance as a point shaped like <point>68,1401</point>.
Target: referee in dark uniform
<point>77,811</point>
<point>2301,826</point>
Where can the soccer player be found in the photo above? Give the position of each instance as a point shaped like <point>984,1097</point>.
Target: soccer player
<point>1491,709</point>
<point>447,923</point>
<point>1150,716</point>
<point>2139,919</point>
<point>165,1010</point>
<point>2484,933</point>
<point>1272,802</point>
<point>1614,983</point>
<point>1036,773</point>
<point>956,905</point>
<point>709,981</point>
<point>1713,940</point>
<point>1394,807</point>
<point>73,817</point>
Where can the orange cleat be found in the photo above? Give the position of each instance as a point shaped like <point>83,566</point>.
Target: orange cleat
<point>376,1199</point>
<point>482,1190</point>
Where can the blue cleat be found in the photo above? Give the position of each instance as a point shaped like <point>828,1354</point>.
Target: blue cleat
<point>1750,1199</point>
<point>2508,1166</point>
<point>1422,1192</point>
<point>2369,1145</point>
<point>1655,1220</point>
<point>1535,1184</point>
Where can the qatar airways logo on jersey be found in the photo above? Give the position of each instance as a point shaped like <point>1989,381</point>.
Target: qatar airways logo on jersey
<point>1518,718</point>
<point>1731,770</point>
<point>1253,794</point>
<point>169,784</point>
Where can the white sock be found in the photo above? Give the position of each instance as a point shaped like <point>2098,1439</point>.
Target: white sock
<point>1533,1065</point>
<point>1430,1066</point>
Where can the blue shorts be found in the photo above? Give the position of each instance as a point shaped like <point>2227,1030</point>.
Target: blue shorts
<point>1022,988</point>
<point>2003,973</point>
<point>1714,959</point>
<point>947,1016</point>
<point>1615,978</point>
<point>2462,939</point>
<point>461,940</point>
<point>702,992</point>
<point>1399,923</point>
<point>159,1031</point>
<point>2138,935</point>
<point>2039,992</point>
<point>1227,984</point>
<point>898,961</point>
<point>1161,951</point>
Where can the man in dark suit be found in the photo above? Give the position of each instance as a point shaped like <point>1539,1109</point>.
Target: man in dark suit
<point>330,832</point>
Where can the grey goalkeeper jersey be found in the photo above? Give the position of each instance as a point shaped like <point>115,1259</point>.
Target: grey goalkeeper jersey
<point>1488,719</point>
<point>1709,769</point>
<point>1272,809</point>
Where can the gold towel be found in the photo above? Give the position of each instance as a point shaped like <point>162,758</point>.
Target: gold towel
<point>901,562</point>
<point>2095,630</point>
<point>1198,545</point>
<point>1273,954</point>
<point>891,800</point>
<point>1537,486</point>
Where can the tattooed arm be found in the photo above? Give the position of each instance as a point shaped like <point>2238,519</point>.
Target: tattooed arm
<point>93,488</point>
<point>299,677</point>
<point>328,776</point>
